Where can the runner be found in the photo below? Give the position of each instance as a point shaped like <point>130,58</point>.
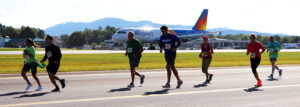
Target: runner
<point>169,42</point>
<point>30,63</point>
<point>273,48</point>
<point>53,53</point>
<point>206,51</point>
<point>134,51</point>
<point>255,57</point>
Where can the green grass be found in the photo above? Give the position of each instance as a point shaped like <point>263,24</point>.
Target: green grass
<point>99,62</point>
<point>38,49</point>
<point>18,49</point>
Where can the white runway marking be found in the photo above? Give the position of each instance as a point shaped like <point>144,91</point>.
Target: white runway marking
<point>158,72</point>
<point>143,96</point>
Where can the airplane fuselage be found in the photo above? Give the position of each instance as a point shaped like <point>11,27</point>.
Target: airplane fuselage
<point>151,35</point>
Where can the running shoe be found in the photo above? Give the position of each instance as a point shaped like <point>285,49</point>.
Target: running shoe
<point>259,84</point>
<point>210,77</point>
<point>63,83</point>
<point>280,72</point>
<point>131,85</point>
<point>39,88</point>
<point>179,83</point>
<point>142,79</point>
<point>271,76</point>
<point>167,85</point>
<point>28,87</point>
<point>55,90</point>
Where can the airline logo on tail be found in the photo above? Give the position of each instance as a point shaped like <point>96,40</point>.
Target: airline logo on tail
<point>201,23</point>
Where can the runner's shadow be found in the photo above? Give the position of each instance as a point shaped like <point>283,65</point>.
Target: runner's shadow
<point>164,91</point>
<point>252,89</point>
<point>120,89</point>
<point>15,93</point>
<point>33,95</point>
<point>200,85</point>
<point>274,79</point>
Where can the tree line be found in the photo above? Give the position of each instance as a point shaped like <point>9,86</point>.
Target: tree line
<point>97,36</point>
<point>263,39</point>
<point>88,37</point>
<point>23,32</point>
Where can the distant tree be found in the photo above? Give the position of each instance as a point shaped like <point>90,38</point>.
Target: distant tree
<point>265,40</point>
<point>11,32</point>
<point>64,39</point>
<point>76,39</point>
<point>27,32</point>
<point>2,28</point>
<point>100,28</point>
<point>277,38</point>
<point>244,37</point>
<point>285,40</point>
<point>40,33</point>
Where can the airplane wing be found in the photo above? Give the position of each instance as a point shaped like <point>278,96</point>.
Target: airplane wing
<point>197,35</point>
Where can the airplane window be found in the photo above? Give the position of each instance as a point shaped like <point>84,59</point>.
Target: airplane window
<point>122,32</point>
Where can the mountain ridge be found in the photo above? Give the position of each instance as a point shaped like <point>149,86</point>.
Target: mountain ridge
<point>70,27</point>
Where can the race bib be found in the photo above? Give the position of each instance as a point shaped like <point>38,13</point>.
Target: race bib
<point>271,50</point>
<point>167,46</point>
<point>49,54</point>
<point>129,50</point>
<point>205,54</point>
<point>252,55</point>
<point>26,58</point>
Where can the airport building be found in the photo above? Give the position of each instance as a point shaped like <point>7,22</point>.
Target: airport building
<point>217,43</point>
<point>2,43</point>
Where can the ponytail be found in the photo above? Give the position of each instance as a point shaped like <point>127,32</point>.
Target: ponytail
<point>31,42</point>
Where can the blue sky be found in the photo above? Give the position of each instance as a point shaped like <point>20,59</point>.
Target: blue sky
<point>272,16</point>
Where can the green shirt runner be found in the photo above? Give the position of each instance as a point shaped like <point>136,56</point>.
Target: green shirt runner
<point>272,47</point>
<point>30,50</point>
<point>133,47</point>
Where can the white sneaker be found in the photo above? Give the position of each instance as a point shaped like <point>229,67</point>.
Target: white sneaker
<point>39,88</point>
<point>28,87</point>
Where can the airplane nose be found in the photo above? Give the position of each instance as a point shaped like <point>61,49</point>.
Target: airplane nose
<point>114,37</point>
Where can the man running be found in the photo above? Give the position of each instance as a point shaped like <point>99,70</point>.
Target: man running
<point>134,51</point>
<point>273,48</point>
<point>206,55</point>
<point>169,42</point>
<point>255,56</point>
<point>53,53</point>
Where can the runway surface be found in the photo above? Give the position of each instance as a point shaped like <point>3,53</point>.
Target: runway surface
<point>230,87</point>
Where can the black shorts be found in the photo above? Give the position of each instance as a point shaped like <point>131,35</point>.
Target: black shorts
<point>134,62</point>
<point>30,66</point>
<point>53,68</point>
<point>273,59</point>
<point>170,59</point>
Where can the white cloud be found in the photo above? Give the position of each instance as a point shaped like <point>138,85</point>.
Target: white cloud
<point>2,13</point>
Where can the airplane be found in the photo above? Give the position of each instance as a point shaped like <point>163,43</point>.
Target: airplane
<point>152,35</point>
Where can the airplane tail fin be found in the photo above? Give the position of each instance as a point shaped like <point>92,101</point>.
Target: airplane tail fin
<point>201,22</point>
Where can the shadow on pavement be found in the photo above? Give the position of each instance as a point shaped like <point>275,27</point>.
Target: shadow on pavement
<point>120,89</point>
<point>200,85</point>
<point>164,91</point>
<point>274,79</point>
<point>15,93</point>
<point>252,89</point>
<point>33,95</point>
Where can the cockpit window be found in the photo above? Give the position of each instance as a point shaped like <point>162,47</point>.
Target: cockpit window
<point>122,32</point>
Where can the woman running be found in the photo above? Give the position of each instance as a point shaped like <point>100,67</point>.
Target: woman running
<point>206,51</point>
<point>255,56</point>
<point>30,63</point>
